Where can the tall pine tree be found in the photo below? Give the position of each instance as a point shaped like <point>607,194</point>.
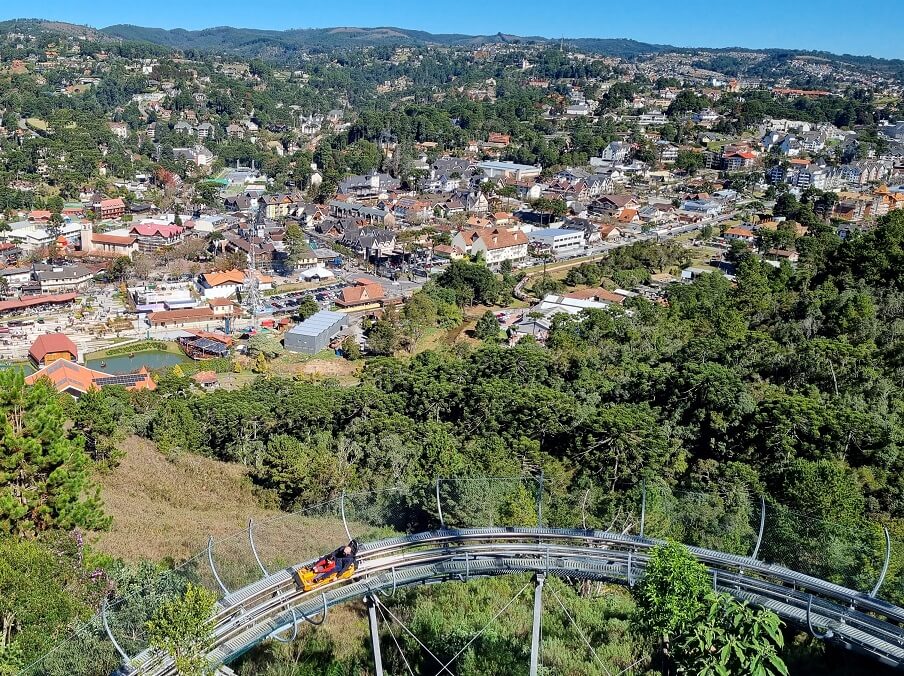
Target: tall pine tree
<point>44,475</point>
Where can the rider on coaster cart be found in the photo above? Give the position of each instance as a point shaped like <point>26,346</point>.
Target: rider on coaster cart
<point>337,562</point>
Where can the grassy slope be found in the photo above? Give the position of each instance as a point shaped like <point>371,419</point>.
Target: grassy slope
<point>167,509</point>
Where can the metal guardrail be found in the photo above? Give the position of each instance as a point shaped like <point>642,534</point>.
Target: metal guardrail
<point>255,559</point>
<point>273,605</point>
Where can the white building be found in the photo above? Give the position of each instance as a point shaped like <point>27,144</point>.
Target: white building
<point>494,169</point>
<point>496,244</point>
<point>653,118</point>
<point>34,237</point>
<point>559,240</point>
<point>615,152</point>
<point>226,284</point>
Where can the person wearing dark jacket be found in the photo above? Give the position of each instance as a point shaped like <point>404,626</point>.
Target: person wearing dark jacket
<point>337,562</point>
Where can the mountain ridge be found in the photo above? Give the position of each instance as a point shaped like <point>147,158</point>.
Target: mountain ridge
<point>283,44</point>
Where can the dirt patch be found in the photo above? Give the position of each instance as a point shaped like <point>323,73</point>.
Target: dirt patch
<point>323,368</point>
<point>329,367</point>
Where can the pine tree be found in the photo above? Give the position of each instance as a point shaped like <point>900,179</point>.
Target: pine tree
<point>44,475</point>
<point>487,328</point>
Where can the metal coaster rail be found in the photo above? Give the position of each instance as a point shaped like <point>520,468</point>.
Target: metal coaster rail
<point>273,605</point>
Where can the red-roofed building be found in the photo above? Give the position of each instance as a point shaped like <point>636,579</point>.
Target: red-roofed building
<point>39,215</point>
<point>598,294</point>
<point>628,216</point>
<point>112,208</point>
<point>740,233</point>
<point>75,379</point>
<point>152,236</point>
<point>36,301</point>
<point>100,243</point>
<point>495,243</point>
<point>206,380</point>
<point>364,293</point>
<point>192,315</point>
<point>736,160</point>
<point>50,347</point>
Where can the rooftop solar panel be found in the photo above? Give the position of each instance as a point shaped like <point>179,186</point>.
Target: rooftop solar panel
<point>126,379</point>
<point>208,345</point>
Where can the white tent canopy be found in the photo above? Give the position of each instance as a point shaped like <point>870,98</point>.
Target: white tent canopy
<point>317,272</point>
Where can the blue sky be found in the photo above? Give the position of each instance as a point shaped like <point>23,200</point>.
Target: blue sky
<point>862,27</point>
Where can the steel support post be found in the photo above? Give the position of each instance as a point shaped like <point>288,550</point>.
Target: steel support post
<point>375,636</point>
<point>535,632</point>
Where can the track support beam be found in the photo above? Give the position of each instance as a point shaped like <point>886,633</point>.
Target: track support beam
<point>535,631</point>
<point>374,635</point>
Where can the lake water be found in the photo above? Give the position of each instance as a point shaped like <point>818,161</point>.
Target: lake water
<point>121,363</point>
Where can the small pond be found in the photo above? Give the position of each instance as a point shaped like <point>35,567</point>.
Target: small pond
<point>26,367</point>
<point>122,363</point>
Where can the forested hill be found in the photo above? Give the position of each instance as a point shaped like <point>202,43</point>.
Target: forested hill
<point>282,45</point>
<point>255,42</point>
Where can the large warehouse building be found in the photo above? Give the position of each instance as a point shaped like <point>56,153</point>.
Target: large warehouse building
<point>315,333</point>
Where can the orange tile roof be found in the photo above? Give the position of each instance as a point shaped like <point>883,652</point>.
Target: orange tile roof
<point>67,375</point>
<point>500,238</point>
<point>358,295</point>
<point>739,231</point>
<point>205,377</point>
<point>627,215</point>
<point>229,277</point>
<point>597,294</point>
<point>186,314</point>
<point>117,240</point>
<point>31,301</point>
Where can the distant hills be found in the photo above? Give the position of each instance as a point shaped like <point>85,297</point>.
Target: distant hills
<point>283,45</point>
<point>256,42</point>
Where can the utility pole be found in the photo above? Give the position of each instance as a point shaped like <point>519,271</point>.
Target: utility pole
<point>535,628</point>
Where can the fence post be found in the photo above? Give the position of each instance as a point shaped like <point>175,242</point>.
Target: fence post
<point>439,506</point>
<point>759,537</point>
<point>884,564</point>
<point>540,500</point>
<point>643,506</point>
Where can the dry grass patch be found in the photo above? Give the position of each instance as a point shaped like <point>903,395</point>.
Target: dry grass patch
<point>165,508</point>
